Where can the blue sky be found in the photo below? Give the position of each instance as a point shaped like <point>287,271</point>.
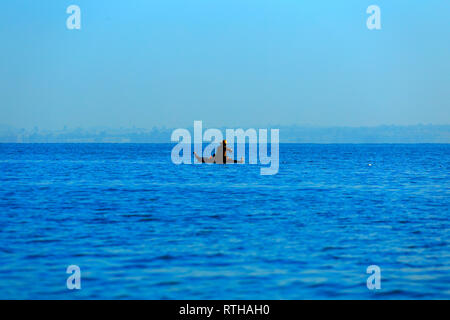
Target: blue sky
<point>235,63</point>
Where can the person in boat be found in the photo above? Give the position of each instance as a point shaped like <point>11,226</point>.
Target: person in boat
<point>220,156</point>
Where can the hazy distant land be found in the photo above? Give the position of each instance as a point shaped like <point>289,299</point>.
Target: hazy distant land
<point>288,134</point>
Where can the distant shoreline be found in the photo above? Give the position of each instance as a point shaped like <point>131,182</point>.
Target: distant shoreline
<point>205,144</point>
<point>417,134</point>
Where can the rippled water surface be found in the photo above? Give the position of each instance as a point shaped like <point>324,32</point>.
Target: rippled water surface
<point>141,227</point>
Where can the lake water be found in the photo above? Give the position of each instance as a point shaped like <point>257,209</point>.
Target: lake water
<point>141,227</point>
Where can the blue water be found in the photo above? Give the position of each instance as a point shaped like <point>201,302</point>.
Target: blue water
<point>139,226</point>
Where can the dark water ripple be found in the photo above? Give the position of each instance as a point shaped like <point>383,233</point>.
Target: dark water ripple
<point>140,227</point>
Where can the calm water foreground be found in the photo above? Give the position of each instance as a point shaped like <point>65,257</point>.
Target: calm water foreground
<point>141,227</point>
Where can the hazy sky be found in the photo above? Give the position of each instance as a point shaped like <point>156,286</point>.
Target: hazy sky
<point>236,63</point>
